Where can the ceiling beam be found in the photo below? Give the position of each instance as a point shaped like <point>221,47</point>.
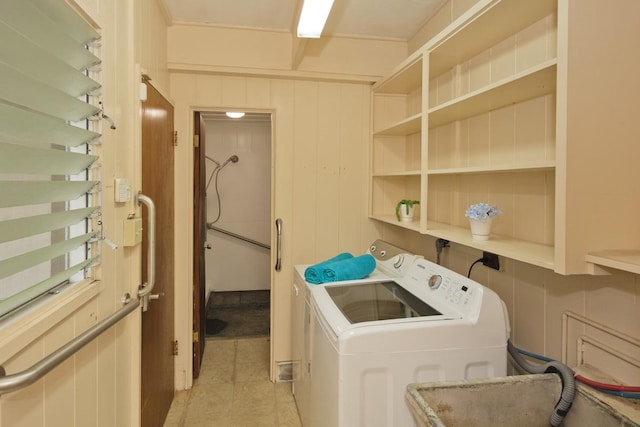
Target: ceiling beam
<point>298,51</point>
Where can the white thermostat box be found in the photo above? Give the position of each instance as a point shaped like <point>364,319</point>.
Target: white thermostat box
<point>122,190</point>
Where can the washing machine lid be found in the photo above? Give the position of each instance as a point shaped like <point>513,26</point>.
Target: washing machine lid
<point>383,300</point>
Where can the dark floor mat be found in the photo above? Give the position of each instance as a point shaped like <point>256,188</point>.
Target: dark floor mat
<point>215,326</point>
<point>238,314</point>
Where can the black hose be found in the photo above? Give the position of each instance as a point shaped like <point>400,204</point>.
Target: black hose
<point>566,374</point>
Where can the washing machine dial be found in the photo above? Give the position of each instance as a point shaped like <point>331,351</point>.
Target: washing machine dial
<point>435,281</point>
<point>398,260</point>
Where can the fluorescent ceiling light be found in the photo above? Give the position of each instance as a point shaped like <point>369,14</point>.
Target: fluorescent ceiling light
<point>313,17</point>
<point>234,114</point>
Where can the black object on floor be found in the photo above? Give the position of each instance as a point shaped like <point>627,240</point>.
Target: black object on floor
<point>238,314</point>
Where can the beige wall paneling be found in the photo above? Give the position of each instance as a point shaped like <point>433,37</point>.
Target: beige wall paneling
<point>152,20</point>
<point>305,173</point>
<point>597,128</point>
<point>100,383</point>
<point>24,407</point>
<point>59,385</point>
<point>314,124</point>
<point>327,170</point>
<point>354,120</point>
<point>86,364</point>
<point>619,291</point>
<point>527,327</point>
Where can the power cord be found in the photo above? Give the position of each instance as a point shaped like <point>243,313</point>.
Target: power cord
<point>474,263</point>
<point>488,260</point>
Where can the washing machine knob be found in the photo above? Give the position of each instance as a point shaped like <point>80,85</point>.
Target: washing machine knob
<point>398,260</point>
<point>435,281</point>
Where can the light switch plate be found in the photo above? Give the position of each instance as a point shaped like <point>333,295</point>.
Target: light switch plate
<point>122,190</point>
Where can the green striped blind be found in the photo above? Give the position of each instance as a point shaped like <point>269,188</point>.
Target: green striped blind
<point>49,182</point>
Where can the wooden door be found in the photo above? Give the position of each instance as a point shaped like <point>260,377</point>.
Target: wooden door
<point>157,321</point>
<point>199,241</point>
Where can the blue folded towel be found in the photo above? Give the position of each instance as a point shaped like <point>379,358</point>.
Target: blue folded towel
<point>313,274</point>
<point>349,269</point>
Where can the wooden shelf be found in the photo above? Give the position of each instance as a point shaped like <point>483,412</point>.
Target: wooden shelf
<point>394,174</point>
<point>479,28</point>
<point>520,250</point>
<point>533,167</point>
<point>561,108</point>
<point>405,127</point>
<point>406,78</point>
<point>529,84</point>
<point>391,219</point>
<point>625,260</point>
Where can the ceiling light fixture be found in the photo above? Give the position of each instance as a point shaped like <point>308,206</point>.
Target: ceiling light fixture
<point>313,17</point>
<point>234,114</point>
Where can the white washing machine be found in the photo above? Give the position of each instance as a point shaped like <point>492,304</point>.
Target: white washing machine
<point>371,340</point>
<point>391,262</point>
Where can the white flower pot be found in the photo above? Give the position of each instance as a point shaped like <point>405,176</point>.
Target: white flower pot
<point>480,230</point>
<point>404,215</point>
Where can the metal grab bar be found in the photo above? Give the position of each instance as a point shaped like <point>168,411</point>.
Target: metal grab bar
<point>279,240</point>
<point>145,289</point>
<point>210,226</point>
<point>9,383</point>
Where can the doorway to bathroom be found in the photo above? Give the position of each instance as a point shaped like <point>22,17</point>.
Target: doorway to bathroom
<point>232,226</point>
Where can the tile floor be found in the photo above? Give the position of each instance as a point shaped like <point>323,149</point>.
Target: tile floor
<point>234,390</point>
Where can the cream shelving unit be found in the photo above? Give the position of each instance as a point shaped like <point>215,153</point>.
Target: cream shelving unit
<point>527,105</point>
<point>398,142</point>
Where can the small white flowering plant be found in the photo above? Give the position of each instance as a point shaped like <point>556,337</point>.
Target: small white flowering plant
<point>482,211</point>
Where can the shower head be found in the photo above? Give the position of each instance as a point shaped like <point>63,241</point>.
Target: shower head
<point>233,159</point>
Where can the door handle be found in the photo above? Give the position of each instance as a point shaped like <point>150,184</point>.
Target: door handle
<point>278,244</point>
<point>144,291</point>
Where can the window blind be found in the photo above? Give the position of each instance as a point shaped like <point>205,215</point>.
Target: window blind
<point>49,123</point>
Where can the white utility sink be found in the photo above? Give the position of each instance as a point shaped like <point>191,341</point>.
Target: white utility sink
<point>521,400</point>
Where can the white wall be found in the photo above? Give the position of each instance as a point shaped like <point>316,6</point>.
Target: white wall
<point>245,195</point>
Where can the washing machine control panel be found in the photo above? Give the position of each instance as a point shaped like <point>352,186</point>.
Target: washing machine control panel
<point>447,287</point>
<point>391,259</point>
